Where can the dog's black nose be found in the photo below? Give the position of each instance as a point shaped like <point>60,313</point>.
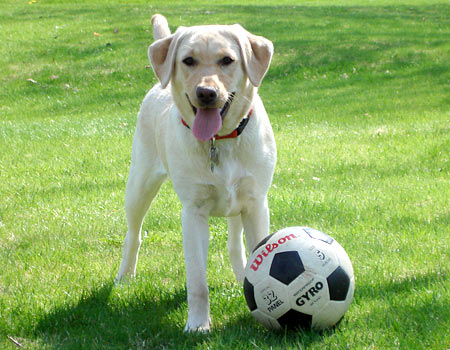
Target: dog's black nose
<point>207,95</point>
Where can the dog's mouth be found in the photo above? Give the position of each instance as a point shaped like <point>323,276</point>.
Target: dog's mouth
<point>226,106</point>
<point>208,121</point>
<point>223,110</point>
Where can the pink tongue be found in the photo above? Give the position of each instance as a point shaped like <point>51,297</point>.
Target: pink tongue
<point>207,123</point>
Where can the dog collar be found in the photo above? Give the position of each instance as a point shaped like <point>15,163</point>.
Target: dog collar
<point>235,133</point>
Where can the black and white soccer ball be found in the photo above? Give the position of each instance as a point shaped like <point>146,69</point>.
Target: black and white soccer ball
<point>298,277</point>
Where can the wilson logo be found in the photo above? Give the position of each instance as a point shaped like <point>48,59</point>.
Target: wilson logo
<point>268,249</point>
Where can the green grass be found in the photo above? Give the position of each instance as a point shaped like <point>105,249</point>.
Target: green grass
<point>358,94</point>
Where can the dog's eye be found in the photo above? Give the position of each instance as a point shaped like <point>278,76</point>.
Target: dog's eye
<point>226,61</point>
<point>189,61</point>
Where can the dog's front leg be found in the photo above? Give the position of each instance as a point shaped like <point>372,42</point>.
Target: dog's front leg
<point>195,245</point>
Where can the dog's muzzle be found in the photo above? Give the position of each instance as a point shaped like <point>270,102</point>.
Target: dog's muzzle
<point>225,108</point>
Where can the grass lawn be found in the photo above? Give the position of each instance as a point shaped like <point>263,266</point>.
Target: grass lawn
<point>358,95</point>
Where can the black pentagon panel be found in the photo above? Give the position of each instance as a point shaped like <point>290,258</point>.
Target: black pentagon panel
<point>264,241</point>
<point>286,267</point>
<point>249,295</point>
<point>294,320</point>
<point>316,234</point>
<point>338,284</point>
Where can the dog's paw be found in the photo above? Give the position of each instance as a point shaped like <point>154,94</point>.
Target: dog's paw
<point>199,327</point>
<point>122,279</point>
<point>240,278</point>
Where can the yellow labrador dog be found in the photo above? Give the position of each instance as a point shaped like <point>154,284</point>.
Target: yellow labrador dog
<point>205,126</point>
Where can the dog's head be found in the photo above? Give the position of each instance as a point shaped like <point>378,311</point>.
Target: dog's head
<point>213,71</point>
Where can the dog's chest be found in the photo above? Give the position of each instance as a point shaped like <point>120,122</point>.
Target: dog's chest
<point>230,198</point>
<point>230,189</point>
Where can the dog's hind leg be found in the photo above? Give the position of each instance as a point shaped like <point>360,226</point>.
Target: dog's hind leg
<point>144,182</point>
<point>256,223</point>
<point>236,249</point>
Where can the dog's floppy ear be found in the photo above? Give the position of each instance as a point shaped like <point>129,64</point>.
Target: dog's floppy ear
<point>256,53</point>
<point>162,57</point>
<point>160,27</point>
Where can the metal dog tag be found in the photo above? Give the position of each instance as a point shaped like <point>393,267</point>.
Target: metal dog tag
<point>213,154</point>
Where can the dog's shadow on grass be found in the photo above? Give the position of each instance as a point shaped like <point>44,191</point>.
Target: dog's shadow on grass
<point>101,320</point>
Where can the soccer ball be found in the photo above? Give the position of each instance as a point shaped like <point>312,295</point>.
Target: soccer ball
<point>298,277</point>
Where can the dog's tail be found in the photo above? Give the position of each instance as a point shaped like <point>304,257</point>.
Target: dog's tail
<point>160,27</point>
